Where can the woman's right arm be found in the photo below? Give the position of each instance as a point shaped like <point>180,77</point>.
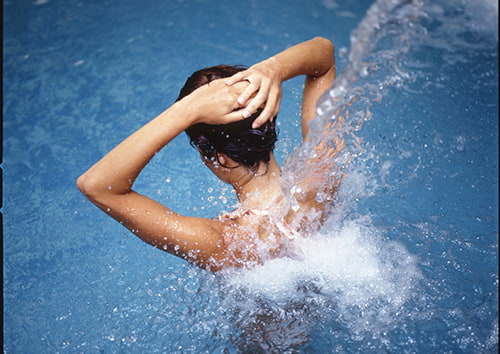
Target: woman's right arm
<point>108,183</point>
<point>313,58</point>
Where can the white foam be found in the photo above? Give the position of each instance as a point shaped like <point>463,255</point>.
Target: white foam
<point>364,277</point>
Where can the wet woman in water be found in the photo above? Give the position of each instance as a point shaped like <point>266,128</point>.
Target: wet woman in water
<point>229,114</point>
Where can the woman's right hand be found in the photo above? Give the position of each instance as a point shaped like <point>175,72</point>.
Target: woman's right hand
<point>215,103</point>
<point>264,89</point>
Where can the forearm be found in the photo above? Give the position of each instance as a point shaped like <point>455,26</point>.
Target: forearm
<point>312,58</point>
<point>116,172</point>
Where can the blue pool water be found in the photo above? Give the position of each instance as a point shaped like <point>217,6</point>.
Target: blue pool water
<point>408,260</point>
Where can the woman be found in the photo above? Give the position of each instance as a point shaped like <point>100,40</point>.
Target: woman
<point>240,106</point>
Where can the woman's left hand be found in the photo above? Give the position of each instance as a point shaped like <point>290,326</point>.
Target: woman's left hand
<point>265,87</point>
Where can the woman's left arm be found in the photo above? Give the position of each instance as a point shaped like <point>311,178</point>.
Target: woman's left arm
<point>313,58</point>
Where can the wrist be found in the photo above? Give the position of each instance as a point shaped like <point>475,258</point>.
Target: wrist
<point>278,68</point>
<point>185,112</point>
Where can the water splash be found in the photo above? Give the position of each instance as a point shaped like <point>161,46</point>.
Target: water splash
<point>349,274</point>
<point>351,277</point>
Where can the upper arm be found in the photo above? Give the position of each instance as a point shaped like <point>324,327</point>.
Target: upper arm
<point>315,86</point>
<point>319,179</point>
<point>197,240</point>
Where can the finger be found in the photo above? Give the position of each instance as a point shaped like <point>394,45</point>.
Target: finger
<point>275,96</point>
<point>239,76</point>
<point>260,98</point>
<point>270,110</point>
<point>233,117</point>
<point>251,89</point>
<point>267,114</point>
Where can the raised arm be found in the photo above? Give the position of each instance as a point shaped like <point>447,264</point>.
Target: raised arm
<point>108,184</point>
<point>313,58</point>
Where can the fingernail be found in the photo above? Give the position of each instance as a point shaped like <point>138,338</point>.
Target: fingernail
<point>246,114</point>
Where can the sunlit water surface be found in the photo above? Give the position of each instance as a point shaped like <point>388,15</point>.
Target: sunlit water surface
<point>407,261</point>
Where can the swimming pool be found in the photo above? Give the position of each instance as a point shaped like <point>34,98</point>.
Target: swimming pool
<point>407,263</point>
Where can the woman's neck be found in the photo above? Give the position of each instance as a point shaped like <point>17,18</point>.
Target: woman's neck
<point>256,190</point>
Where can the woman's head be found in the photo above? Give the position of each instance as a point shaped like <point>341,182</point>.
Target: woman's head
<point>238,140</point>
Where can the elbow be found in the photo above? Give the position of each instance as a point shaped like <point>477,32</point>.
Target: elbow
<point>327,55</point>
<point>80,183</point>
<point>89,187</point>
<point>83,184</point>
<point>326,44</point>
<point>97,189</point>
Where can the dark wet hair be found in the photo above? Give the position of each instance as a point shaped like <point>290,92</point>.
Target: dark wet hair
<point>237,140</point>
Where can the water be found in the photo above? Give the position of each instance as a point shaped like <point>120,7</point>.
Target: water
<point>407,261</point>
